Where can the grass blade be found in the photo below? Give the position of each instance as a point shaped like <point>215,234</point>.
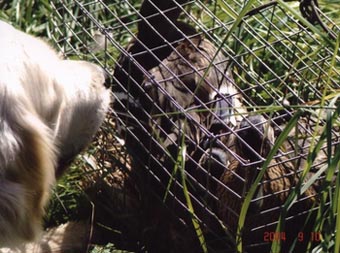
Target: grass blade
<point>282,137</point>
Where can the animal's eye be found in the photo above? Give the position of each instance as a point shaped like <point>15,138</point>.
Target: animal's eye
<point>185,84</point>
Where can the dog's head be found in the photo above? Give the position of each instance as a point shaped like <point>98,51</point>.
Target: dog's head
<point>50,109</point>
<point>86,101</point>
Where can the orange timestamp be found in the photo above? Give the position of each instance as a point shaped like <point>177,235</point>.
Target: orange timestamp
<point>274,236</point>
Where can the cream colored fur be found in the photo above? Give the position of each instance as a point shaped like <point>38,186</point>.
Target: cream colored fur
<point>69,237</point>
<point>49,110</point>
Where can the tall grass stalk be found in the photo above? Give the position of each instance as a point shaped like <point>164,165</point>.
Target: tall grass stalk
<point>180,166</point>
<point>279,141</point>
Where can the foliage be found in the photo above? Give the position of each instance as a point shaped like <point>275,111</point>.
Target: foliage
<point>31,16</point>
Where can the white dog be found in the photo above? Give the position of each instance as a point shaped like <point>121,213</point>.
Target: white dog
<point>49,110</point>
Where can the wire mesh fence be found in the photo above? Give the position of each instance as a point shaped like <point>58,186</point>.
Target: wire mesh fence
<point>226,112</point>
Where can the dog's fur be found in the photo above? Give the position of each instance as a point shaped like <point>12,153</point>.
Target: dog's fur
<point>49,110</point>
<point>69,237</point>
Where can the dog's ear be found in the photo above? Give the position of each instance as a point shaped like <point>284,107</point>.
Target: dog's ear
<point>27,161</point>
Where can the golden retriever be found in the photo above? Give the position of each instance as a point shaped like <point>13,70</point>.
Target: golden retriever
<point>50,109</point>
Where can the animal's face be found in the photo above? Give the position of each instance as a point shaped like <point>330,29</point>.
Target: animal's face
<point>49,111</point>
<point>196,76</point>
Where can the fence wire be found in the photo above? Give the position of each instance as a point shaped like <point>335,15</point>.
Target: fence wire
<point>204,95</point>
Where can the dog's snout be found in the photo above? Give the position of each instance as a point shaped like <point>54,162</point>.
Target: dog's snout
<point>108,79</point>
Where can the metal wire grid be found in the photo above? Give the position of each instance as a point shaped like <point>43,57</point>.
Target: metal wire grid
<point>275,61</point>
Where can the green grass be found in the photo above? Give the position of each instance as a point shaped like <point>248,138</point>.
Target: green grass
<point>31,16</point>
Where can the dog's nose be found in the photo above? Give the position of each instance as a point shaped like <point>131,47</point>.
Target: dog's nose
<point>108,79</point>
